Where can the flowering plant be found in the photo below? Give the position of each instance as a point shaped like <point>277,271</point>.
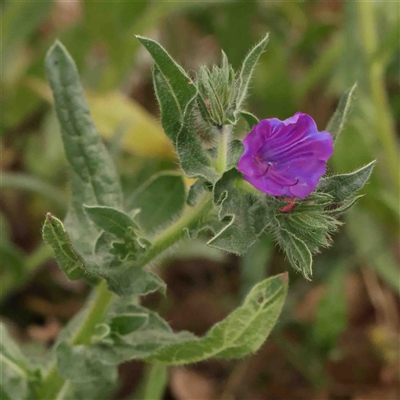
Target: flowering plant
<point>240,193</point>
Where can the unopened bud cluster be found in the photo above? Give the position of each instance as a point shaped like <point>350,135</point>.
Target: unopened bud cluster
<point>217,93</point>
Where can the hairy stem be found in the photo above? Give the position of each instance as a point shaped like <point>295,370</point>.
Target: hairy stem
<point>175,231</point>
<point>54,382</point>
<point>223,148</point>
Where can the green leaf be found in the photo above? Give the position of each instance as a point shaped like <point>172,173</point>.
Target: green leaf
<point>236,150</point>
<point>345,206</point>
<point>84,368</point>
<point>124,277</point>
<point>174,88</point>
<point>250,118</point>
<point>94,179</point>
<point>194,159</point>
<point>17,380</point>
<point>342,187</point>
<point>308,221</point>
<point>89,378</point>
<point>180,85</point>
<point>171,114</point>
<point>197,191</point>
<point>242,333</point>
<point>111,220</point>
<point>208,90</point>
<point>67,258</point>
<point>132,280</point>
<point>176,94</point>
<point>160,199</point>
<point>338,120</point>
<point>204,110</point>
<point>238,232</point>
<point>297,252</point>
<point>128,323</point>
<point>247,69</point>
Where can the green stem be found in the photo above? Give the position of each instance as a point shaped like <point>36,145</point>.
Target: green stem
<point>97,311</point>
<point>376,76</point>
<point>223,147</point>
<point>54,382</point>
<point>156,381</point>
<point>175,231</point>
<point>246,186</point>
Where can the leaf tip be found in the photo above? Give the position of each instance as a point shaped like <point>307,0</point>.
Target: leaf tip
<point>284,278</point>
<point>354,87</point>
<point>141,38</point>
<point>57,46</point>
<point>264,41</point>
<point>56,55</point>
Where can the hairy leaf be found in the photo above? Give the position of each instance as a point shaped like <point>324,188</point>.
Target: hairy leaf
<point>313,228</point>
<point>247,69</point>
<point>342,187</point>
<point>171,113</point>
<point>249,118</point>
<point>238,232</point>
<point>180,85</point>
<point>17,378</point>
<point>67,258</point>
<point>174,89</point>
<point>133,280</point>
<point>297,252</point>
<point>94,179</point>
<point>303,230</point>
<point>336,123</point>
<point>241,333</point>
<point>194,159</point>
<point>160,199</point>
<point>123,275</point>
<point>128,322</point>
<point>196,191</point>
<point>176,94</point>
<point>111,220</point>
<point>236,150</point>
<point>88,379</point>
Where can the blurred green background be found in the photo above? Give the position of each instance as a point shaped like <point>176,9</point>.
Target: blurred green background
<point>338,335</point>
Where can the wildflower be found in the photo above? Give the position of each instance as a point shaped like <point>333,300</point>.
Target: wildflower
<point>286,158</point>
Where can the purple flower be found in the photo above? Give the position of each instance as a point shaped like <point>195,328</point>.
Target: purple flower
<point>285,158</point>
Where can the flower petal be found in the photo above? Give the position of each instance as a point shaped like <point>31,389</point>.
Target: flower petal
<point>266,185</point>
<point>286,158</point>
